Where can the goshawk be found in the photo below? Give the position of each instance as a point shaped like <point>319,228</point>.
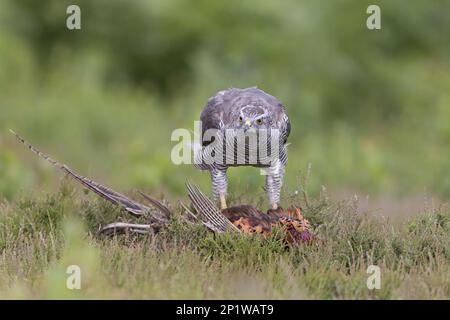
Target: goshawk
<point>244,127</point>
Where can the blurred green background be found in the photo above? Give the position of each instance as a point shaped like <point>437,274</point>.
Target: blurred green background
<point>370,109</point>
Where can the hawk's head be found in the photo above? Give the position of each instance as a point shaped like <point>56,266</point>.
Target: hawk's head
<point>252,117</point>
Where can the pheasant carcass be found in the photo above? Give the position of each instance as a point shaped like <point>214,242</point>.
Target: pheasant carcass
<point>243,219</point>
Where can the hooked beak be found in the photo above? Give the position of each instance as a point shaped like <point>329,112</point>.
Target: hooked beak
<point>249,129</point>
<point>247,125</point>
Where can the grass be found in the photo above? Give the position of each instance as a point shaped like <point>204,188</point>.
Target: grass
<point>42,234</point>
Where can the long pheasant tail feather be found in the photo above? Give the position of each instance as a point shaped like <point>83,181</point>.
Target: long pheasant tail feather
<point>122,227</point>
<point>213,218</point>
<point>158,204</point>
<point>116,198</point>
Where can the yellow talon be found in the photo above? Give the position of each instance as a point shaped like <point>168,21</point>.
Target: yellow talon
<point>223,202</point>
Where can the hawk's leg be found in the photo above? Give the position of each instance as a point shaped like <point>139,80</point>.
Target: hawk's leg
<point>274,182</point>
<point>220,185</point>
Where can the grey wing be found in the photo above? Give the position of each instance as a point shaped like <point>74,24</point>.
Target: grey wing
<point>285,131</point>
<point>280,119</point>
<point>285,126</point>
<point>212,115</point>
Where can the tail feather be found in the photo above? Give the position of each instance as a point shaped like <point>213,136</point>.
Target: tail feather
<point>121,227</point>
<point>158,204</point>
<point>213,218</point>
<point>116,198</point>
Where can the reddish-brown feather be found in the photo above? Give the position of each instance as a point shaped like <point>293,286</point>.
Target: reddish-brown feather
<point>250,220</point>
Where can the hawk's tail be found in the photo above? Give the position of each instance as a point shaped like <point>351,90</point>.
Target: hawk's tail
<point>116,198</point>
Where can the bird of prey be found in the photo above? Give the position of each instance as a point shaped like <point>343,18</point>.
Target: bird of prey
<point>245,113</point>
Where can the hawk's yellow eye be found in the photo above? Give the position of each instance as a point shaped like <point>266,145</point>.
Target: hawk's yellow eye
<point>259,121</point>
